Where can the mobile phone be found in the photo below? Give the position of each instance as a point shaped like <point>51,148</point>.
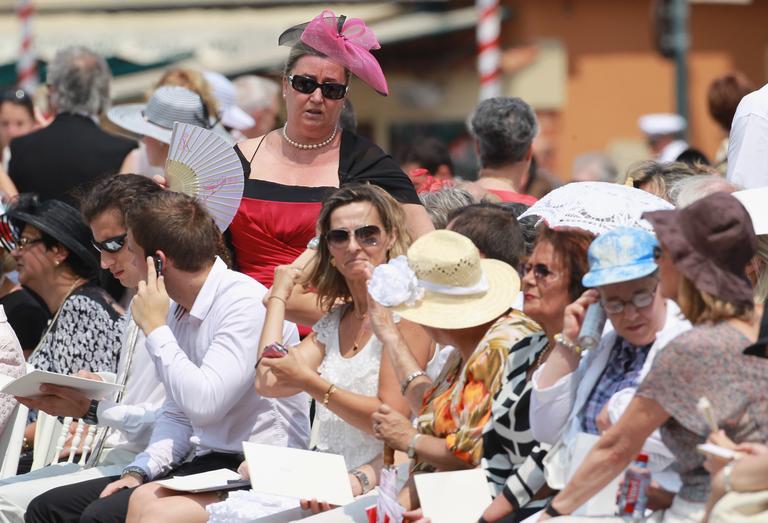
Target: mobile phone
<point>273,350</point>
<point>592,329</point>
<point>716,450</point>
<point>158,264</point>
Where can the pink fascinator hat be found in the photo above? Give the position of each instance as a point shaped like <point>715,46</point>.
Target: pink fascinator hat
<point>347,41</point>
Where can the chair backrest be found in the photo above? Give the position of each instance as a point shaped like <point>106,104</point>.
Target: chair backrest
<point>11,441</point>
<point>51,437</point>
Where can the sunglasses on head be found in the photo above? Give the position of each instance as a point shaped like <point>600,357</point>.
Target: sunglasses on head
<point>366,236</point>
<point>307,85</point>
<point>111,245</point>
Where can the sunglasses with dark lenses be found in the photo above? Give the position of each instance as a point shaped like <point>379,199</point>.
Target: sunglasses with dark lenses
<point>111,245</point>
<point>307,85</point>
<point>366,236</point>
<point>540,271</point>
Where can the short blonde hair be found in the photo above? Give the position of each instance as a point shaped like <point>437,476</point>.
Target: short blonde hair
<point>701,307</point>
<point>330,284</point>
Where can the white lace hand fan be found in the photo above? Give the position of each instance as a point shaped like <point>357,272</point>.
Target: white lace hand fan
<point>596,207</point>
<point>204,165</point>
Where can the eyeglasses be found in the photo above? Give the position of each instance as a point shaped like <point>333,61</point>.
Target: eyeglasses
<point>26,241</point>
<point>657,253</point>
<point>111,245</point>
<point>307,85</point>
<point>540,271</point>
<point>366,236</point>
<point>640,300</point>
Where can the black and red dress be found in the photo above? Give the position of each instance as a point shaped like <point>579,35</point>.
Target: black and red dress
<point>275,222</point>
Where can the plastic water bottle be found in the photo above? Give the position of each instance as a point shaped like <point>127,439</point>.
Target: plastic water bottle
<point>632,496</point>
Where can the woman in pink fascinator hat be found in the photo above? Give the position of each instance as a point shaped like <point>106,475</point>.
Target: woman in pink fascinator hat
<point>292,169</point>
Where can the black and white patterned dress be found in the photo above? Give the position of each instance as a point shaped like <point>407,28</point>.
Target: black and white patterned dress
<point>512,459</point>
<point>85,336</point>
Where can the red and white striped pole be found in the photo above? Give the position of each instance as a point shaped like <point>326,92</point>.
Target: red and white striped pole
<point>488,47</point>
<point>26,66</point>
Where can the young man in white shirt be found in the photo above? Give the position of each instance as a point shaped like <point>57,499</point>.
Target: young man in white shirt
<point>129,420</point>
<point>203,349</point>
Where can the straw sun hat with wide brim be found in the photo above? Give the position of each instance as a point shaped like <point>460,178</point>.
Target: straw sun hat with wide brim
<point>460,290</point>
<point>63,223</point>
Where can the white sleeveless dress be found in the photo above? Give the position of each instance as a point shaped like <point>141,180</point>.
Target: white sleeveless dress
<point>358,374</point>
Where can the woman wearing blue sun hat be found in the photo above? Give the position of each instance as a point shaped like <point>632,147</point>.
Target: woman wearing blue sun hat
<point>581,393</point>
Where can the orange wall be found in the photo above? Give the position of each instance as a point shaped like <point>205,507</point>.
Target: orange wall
<point>615,74</point>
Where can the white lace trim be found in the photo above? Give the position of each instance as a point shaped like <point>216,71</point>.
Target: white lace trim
<point>596,207</point>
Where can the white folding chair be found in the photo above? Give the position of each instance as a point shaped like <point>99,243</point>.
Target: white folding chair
<point>11,441</point>
<point>51,436</point>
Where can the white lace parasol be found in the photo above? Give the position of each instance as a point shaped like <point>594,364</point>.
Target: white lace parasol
<point>596,207</point>
<point>204,165</point>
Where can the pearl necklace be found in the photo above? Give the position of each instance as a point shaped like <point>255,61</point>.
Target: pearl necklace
<point>307,147</point>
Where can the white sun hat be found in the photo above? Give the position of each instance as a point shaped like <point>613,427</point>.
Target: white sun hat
<point>167,105</point>
<point>224,90</point>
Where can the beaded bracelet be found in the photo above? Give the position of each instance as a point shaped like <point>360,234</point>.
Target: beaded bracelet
<point>560,339</point>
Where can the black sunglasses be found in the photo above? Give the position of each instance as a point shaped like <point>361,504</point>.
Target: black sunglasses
<point>307,85</point>
<point>366,236</point>
<point>540,271</point>
<point>111,245</point>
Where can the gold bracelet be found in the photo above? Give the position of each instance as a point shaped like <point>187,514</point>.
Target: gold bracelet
<point>278,298</point>
<point>328,395</point>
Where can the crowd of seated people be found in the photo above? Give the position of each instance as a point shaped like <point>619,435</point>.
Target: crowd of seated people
<point>347,311</point>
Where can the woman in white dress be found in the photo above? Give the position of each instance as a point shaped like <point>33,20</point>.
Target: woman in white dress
<point>340,364</point>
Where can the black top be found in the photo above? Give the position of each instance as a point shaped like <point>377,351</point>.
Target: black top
<point>360,161</point>
<point>70,153</point>
<point>27,317</point>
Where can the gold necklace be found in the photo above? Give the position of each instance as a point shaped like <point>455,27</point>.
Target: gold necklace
<point>360,333</point>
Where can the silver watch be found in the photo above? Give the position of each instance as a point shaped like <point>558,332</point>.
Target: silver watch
<point>362,477</point>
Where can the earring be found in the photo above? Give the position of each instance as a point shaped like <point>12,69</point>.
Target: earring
<point>56,263</point>
<point>333,262</point>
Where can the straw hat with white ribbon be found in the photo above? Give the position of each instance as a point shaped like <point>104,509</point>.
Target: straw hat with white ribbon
<point>445,284</point>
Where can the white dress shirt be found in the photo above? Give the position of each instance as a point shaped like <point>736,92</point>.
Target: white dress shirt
<point>205,358</point>
<point>134,417</point>
<point>748,142</point>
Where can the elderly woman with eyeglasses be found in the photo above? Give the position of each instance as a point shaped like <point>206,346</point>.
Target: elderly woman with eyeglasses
<point>576,393</point>
<point>291,170</point>
<point>704,251</point>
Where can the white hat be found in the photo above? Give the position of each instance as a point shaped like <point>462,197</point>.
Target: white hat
<point>224,91</point>
<point>659,124</point>
<point>168,104</point>
<point>754,200</point>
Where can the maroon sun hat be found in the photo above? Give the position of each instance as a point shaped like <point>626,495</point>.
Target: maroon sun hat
<point>710,242</point>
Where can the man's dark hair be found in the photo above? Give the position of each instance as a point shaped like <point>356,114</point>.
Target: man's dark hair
<point>493,229</point>
<point>427,153</point>
<point>115,193</point>
<point>178,225</point>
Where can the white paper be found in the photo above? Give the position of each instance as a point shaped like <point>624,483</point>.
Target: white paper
<point>604,502</point>
<point>204,481</point>
<point>716,450</point>
<point>296,473</point>
<point>468,488</point>
<point>29,385</point>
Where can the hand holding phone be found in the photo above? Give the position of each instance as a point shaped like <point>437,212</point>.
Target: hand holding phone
<point>158,264</point>
<point>273,350</point>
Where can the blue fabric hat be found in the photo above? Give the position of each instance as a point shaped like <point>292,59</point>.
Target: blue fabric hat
<point>620,255</point>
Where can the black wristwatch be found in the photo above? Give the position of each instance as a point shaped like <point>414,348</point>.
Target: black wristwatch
<point>91,417</point>
<point>136,472</point>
